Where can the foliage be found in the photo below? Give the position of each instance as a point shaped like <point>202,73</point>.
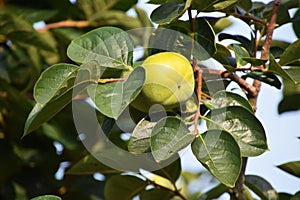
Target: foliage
<point>84,52</point>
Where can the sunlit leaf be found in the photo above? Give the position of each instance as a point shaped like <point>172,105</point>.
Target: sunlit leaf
<point>113,98</point>
<point>61,95</point>
<point>240,53</point>
<point>220,154</point>
<point>110,46</point>
<point>47,197</point>
<point>212,5</point>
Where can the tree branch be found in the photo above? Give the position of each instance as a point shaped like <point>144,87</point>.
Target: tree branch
<point>64,23</point>
<point>237,192</point>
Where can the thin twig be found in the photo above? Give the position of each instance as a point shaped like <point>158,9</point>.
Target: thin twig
<point>176,191</point>
<point>63,24</point>
<point>250,17</point>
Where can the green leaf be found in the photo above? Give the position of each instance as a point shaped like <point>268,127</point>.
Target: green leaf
<point>215,192</point>
<point>260,187</point>
<point>205,35</point>
<point>168,12</point>
<point>240,53</point>
<point>245,4</point>
<point>156,194</point>
<point>223,99</point>
<point>52,80</point>
<point>290,54</point>
<point>52,104</point>
<point>245,42</point>
<point>124,186</point>
<point>291,168</point>
<point>291,96</point>
<point>243,126</point>
<point>139,141</point>
<point>212,5</point>
<point>296,23</point>
<point>276,68</point>
<point>90,165</point>
<point>170,172</point>
<point>18,30</point>
<point>294,72</point>
<point>169,136</point>
<point>113,98</point>
<point>220,154</point>
<point>110,46</point>
<point>255,61</point>
<point>115,18</point>
<point>47,197</point>
<point>266,77</point>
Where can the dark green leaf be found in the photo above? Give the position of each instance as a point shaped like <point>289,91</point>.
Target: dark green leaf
<point>245,42</point>
<point>205,35</point>
<point>170,172</point>
<point>156,194</point>
<point>284,196</point>
<point>276,68</point>
<point>18,30</point>
<point>260,187</point>
<point>113,98</point>
<point>245,4</point>
<point>169,136</point>
<point>139,141</point>
<point>243,126</point>
<point>168,12</point>
<point>218,152</point>
<point>124,186</point>
<point>215,192</point>
<point>266,77</point>
<point>296,23</point>
<point>47,197</point>
<point>90,165</point>
<point>291,96</point>
<point>291,168</point>
<point>115,18</point>
<point>290,54</point>
<point>255,61</point>
<point>110,46</point>
<point>223,99</point>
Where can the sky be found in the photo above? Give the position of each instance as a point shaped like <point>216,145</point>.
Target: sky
<point>282,130</point>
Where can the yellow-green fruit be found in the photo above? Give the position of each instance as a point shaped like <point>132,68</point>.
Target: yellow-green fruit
<point>169,81</point>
